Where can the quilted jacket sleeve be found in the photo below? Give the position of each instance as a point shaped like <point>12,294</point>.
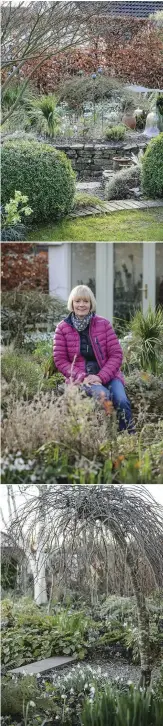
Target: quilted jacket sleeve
<point>115,356</point>
<point>61,360</point>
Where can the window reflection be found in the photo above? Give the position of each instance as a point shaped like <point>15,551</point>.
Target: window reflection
<point>128,276</point>
<point>83,265</point>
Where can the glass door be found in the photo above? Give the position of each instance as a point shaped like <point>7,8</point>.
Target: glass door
<point>83,265</point>
<point>124,276</point>
<point>127,280</point>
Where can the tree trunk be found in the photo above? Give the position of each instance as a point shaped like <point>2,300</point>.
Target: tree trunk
<point>143,621</point>
<point>40,593</point>
<point>38,559</point>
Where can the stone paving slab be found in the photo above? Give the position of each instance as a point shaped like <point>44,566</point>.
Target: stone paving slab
<point>88,186</point>
<point>46,664</point>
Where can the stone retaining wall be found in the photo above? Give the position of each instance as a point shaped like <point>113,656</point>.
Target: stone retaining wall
<point>91,159</point>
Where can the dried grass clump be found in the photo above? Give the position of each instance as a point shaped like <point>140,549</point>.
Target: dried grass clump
<point>72,420</point>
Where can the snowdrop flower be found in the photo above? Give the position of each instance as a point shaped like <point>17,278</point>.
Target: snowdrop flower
<point>31,703</point>
<point>71,691</point>
<point>129,683</point>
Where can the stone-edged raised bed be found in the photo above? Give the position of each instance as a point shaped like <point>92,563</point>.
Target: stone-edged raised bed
<point>90,159</point>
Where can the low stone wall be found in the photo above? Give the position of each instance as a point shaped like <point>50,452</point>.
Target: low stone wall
<point>91,159</point>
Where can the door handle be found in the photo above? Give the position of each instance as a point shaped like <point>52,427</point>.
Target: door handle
<point>145,290</point>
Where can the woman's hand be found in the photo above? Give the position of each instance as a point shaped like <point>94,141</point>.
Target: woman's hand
<point>89,380</point>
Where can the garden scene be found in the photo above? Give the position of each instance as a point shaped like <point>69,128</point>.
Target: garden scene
<point>82,613</point>
<point>54,432</point>
<point>82,123</point>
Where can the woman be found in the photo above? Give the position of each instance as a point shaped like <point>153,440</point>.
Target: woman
<point>87,351</point>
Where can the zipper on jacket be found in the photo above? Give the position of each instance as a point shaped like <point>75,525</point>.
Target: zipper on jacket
<point>94,349</point>
<point>99,347</point>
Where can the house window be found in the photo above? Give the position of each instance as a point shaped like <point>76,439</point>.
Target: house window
<point>83,265</point>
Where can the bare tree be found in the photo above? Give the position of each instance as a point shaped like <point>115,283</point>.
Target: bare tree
<point>132,518</point>
<point>32,32</point>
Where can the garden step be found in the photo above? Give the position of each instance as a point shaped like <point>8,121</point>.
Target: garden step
<point>39,666</point>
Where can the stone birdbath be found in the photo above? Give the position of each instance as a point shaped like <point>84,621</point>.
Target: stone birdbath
<point>120,162</point>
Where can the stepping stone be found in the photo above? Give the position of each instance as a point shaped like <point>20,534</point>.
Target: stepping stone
<point>39,666</point>
<point>88,186</point>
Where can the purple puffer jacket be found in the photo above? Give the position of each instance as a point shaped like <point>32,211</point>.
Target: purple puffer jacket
<point>107,349</point>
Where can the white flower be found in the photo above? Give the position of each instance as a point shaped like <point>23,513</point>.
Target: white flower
<point>31,703</point>
<point>71,691</point>
<point>92,691</point>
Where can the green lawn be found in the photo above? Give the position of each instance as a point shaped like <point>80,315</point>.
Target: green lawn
<point>134,226</point>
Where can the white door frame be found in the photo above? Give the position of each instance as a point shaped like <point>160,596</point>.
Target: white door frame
<point>149,275</point>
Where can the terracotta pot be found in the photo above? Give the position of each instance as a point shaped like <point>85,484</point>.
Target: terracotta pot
<point>129,120</point>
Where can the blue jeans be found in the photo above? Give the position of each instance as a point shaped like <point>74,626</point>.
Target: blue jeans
<point>115,392</point>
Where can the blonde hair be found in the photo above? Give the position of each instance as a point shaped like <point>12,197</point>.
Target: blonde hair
<point>81,291</point>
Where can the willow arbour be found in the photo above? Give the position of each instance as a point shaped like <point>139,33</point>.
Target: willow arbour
<point>132,518</point>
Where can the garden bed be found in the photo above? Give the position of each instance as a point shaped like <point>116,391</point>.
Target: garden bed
<point>41,416</point>
<point>96,635</point>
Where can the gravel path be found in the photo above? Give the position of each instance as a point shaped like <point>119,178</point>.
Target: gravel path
<point>116,668</point>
